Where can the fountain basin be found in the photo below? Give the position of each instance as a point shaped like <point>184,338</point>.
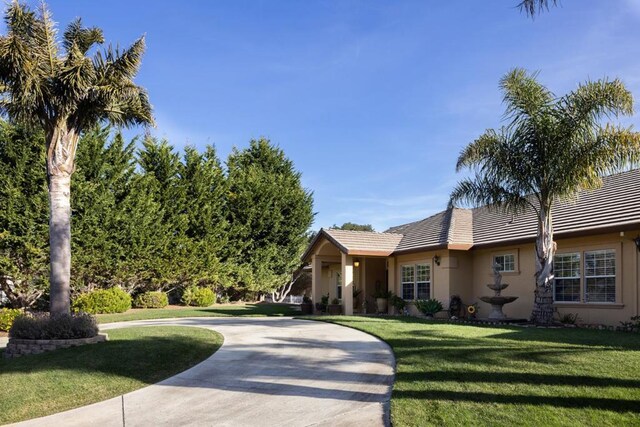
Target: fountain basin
<point>498,300</point>
<point>496,306</point>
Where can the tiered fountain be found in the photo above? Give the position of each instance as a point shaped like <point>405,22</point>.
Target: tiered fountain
<point>497,300</point>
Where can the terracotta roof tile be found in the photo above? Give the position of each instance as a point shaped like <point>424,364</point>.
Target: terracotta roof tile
<point>357,242</point>
<point>614,205</point>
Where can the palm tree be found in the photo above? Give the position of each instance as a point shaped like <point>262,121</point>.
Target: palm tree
<point>534,7</point>
<point>55,85</point>
<point>550,148</point>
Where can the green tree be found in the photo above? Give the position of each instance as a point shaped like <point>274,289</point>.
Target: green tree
<point>55,85</point>
<point>269,214</point>
<point>204,187</point>
<point>161,166</point>
<point>550,148</point>
<point>24,265</point>
<point>354,227</point>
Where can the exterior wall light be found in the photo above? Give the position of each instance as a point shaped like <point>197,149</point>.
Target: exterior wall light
<point>637,242</point>
<point>436,259</point>
<point>356,264</point>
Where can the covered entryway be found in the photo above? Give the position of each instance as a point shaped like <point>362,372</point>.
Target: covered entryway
<point>351,266</point>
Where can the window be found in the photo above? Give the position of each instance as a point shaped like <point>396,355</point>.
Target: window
<point>338,285</point>
<point>599,272</point>
<point>506,262</point>
<point>423,281</point>
<point>416,281</point>
<point>600,276</point>
<point>408,282</point>
<point>567,277</point>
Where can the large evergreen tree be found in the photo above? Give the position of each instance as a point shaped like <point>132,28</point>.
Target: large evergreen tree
<point>24,259</point>
<point>269,212</point>
<point>55,85</point>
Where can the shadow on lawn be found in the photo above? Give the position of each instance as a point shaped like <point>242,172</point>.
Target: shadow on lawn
<point>148,359</point>
<point>615,405</point>
<point>518,378</point>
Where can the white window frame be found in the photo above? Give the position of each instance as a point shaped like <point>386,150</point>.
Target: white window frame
<point>584,276</point>
<point>600,276</point>
<point>403,282</point>
<point>502,264</point>
<point>573,277</point>
<point>339,285</point>
<point>414,280</point>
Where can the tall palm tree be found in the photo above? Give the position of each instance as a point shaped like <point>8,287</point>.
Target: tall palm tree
<point>550,148</point>
<point>54,84</point>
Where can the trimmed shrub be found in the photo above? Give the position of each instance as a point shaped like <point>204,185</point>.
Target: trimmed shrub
<point>7,316</point>
<point>151,300</point>
<point>113,300</point>
<point>41,326</point>
<point>198,297</point>
<point>398,303</point>
<point>429,307</point>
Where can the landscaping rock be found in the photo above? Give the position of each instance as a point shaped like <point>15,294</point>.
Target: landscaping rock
<point>21,347</point>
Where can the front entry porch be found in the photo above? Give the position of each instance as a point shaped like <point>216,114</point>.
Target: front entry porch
<point>352,277</point>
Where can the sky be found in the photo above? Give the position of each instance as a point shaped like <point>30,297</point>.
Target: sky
<point>372,100</point>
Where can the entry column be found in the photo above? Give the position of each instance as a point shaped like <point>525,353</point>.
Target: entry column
<point>316,280</point>
<point>347,284</point>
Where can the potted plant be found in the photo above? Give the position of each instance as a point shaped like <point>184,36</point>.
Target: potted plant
<point>398,304</point>
<point>322,305</point>
<point>306,307</point>
<point>382,298</point>
<point>335,307</point>
<point>429,307</point>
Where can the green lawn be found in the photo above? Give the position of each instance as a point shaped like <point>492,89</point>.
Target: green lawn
<point>219,310</point>
<point>47,383</point>
<point>455,375</point>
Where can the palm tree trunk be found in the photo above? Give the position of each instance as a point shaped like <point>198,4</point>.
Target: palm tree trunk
<point>60,242</point>
<point>61,153</point>
<point>545,250</point>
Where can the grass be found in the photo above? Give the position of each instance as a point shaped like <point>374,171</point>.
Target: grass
<point>38,385</point>
<point>220,310</point>
<point>455,375</point>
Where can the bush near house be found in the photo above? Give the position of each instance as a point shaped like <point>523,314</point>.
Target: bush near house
<point>198,297</point>
<point>7,317</point>
<point>42,326</point>
<point>113,300</point>
<point>429,307</point>
<point>151,300</point>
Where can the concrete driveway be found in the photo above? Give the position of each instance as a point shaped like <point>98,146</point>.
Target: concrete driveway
<point>269,372</point>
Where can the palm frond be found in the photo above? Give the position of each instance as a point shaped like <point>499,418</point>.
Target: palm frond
<point>81,38</point>
<point>533,7</point>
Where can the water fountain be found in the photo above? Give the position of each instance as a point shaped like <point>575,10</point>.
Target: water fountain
<point>497,300</point>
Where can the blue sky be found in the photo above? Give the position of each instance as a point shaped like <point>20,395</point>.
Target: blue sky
<point>372,100</point>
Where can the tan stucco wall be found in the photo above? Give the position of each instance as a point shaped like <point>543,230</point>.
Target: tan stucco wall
<point>466,273</point>
<point>521,282</point>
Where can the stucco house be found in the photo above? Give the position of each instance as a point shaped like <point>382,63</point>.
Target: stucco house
<point>597,268</point>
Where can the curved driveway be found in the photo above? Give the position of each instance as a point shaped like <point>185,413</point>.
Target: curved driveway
<point>269,372</point>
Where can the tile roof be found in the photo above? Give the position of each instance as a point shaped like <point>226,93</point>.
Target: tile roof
<point>358,242</point>
<point>613,206</point>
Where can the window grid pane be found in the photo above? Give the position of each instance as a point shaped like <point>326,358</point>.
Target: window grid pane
<point>424,290</point>
<point>407,291</point>
<point>567,277</point>
<point>408,282</point>
<point>506,262</point>
<point>600,276</point>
